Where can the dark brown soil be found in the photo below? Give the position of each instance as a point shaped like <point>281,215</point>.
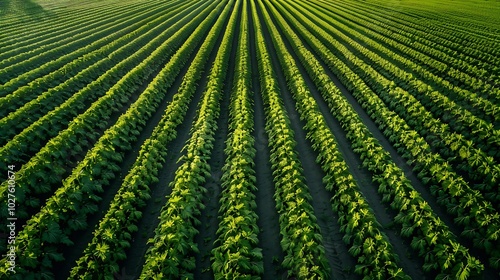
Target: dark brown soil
<point>81,239</point>
<point>341,263</point>
<point>148,223</point>
<point>268,222</point>
<point>209,215</point>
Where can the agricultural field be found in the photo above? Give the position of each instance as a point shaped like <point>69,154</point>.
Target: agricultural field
<point>250,139</point>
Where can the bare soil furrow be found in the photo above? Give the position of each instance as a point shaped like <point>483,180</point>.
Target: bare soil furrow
<point>149,221</point>
<point>339,259</point>
<point>362,175</point>
<point>331,196</point>
<point>209,215</point>
<point>268,222</point>
<point>83,238</point>
<point>408,169</point>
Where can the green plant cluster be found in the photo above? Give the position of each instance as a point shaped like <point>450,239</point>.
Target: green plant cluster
<point>114,233</point>
<point>39,243</point>
<point>171,255</point>
<point>375,256</point>
<point>301,237</point>
<point>429,232</point>
<point>236,254</point>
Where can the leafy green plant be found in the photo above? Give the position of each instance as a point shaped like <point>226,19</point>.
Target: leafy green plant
<point>236,253</point>
<point>171,253</point>
<point>301,239</point>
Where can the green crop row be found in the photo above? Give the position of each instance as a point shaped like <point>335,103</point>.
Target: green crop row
<point>171,253</point>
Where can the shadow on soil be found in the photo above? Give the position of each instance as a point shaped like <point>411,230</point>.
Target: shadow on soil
<point>30,9</point>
